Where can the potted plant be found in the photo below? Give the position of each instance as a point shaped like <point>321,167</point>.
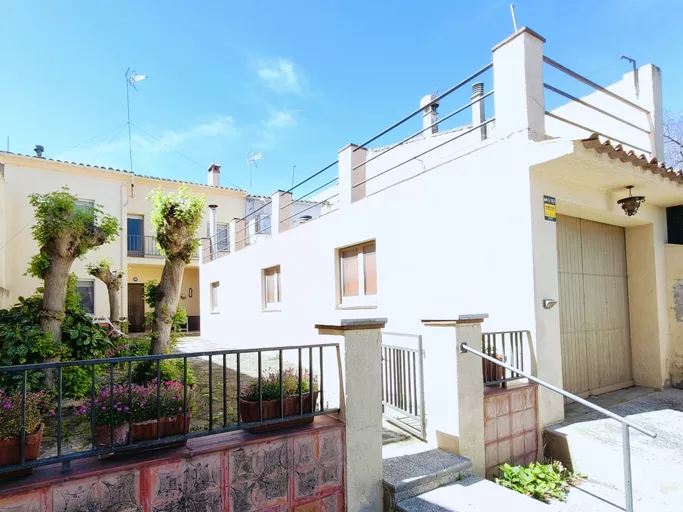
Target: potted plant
<point>270,396</point>
<point>170,406</point>
<point>112,411</point>
<point>37,406</point>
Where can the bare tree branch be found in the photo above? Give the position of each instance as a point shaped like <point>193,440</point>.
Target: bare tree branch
<point>673,139</point>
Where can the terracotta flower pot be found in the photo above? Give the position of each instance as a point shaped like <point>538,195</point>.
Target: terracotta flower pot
<point>168,426</point>
<point>10,452</point>
<point>249,411</point>
<point>103,434</point>
<point>493,371</point>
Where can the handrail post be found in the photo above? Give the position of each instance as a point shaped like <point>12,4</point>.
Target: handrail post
<point>628,489</point>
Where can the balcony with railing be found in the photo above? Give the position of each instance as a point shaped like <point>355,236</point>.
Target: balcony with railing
<point>142,246</point>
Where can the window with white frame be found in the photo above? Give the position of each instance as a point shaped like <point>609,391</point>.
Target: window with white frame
<point>214,296</point>
<point>271,288</point>
<point>222,235</point>
<point>358,275</point>
<point>85,204</point>
<point>86,289</point>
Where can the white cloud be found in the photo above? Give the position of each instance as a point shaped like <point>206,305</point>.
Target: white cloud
<point>280,119</point>
<point>281,76</point>
<point>222,126</point>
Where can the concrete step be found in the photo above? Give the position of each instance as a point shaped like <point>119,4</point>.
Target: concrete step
<point>409,475</point>
<point>472,494</point>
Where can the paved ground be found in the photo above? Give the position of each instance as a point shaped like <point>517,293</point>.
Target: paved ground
<point>657,464</point>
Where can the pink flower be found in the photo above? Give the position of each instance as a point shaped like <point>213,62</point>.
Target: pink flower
<point>180,409</point>
<point>52,413</point>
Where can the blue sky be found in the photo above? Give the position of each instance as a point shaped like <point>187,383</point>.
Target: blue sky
<point>297,80</point>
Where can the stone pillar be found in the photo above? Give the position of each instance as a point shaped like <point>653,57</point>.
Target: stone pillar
<point>518,82</point>
<point>280,212</point>
<point>232,235</point>
<point>361,408</point>
<point>350,157</point>
<point>454,388</point>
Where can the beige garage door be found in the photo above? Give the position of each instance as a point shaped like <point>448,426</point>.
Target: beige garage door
<point>594,320</point>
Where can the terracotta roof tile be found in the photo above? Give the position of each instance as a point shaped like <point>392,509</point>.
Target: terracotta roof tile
<point>603,145</point>
<point>122,171</point>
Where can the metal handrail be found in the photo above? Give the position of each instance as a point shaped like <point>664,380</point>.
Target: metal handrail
<point>436,123</point>
<point>597,109</point>
<point>590,130</point>
<point>625,423</point>
<point>435,100</point>
<point>592,84</point>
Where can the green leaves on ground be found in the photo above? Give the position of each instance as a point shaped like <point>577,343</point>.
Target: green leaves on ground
<point>540,481</point>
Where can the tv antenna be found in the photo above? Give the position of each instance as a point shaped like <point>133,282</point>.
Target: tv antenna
<point>514,20</point>
<point>252,158</point>
<point>131,79</point>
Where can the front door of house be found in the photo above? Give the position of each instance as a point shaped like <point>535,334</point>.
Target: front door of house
<point>136,307</point>
<point>594,315</point>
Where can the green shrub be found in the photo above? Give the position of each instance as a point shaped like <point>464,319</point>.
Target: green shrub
<point>22,341</point>
<point>38,405</point>
<point>270,385</point>
<point>540,481</point>
<point>76,381</point>
<point>170,369</point>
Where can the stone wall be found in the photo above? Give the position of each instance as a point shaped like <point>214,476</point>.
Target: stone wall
<point>300,470</point>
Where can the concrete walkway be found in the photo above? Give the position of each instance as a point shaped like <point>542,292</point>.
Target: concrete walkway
<point>595,446</point>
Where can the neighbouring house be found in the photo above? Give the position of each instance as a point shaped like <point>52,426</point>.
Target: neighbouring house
<point>122,194</point>
<point>519,211</point>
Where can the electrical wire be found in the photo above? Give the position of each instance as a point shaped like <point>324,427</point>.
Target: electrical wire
<point>110,141</point>
<point>84,142</point>
<point>176,151</point>
<point>16,234</point>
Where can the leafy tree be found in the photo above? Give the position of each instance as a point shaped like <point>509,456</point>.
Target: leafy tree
<point>112,279</point>
<point>176,217</point>
<point>23,341</point>
<point>65,231</point>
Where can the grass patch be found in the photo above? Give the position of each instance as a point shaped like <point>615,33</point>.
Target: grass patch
<point>539,481</point>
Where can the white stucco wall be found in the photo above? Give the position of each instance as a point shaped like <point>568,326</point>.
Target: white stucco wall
<point>436,258</point>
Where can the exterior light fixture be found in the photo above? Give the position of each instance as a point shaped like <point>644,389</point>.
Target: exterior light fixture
<point>631,203</point>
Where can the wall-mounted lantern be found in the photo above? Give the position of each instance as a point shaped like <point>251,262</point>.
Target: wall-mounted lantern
<point>631,203</point>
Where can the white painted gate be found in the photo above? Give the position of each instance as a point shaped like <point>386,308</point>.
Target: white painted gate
<point>594,318</point>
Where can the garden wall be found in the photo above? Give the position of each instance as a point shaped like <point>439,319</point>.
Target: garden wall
<point>297,469</point>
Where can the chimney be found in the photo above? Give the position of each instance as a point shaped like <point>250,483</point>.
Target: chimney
<point>429,116</point>
<point>214,175</point>
<point>478,111</point>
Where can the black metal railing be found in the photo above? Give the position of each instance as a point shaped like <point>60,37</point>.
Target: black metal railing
<point>144,246</point>
<point>507,347</point>
<point>113,394</point>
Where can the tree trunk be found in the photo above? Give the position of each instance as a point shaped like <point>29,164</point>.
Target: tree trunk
<point>114,304</point>
<point>167,296</point>
<point>54,299</point>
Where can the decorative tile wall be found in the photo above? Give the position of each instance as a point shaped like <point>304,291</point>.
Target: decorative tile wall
<point>510,426</point>
<point>297,473</point>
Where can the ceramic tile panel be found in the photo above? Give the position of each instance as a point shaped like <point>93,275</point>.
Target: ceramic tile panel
<point>29,502</point>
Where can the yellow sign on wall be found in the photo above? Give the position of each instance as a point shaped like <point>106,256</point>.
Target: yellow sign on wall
<point>549,208</point>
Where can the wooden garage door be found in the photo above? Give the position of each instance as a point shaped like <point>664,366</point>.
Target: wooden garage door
<point>594,320</point>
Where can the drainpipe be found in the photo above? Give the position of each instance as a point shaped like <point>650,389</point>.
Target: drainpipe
<point>478,109</point>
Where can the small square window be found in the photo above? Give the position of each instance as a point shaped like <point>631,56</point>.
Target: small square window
<point>358,275</point>
<point>214,297</point>
<point>85,204</point>
<point>271,288</point>
<point>86,289</point>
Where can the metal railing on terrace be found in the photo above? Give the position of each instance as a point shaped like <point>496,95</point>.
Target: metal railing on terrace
<point>216,246</point>
<point>143,246</point>
<point>218,392</point>
<point>600,110</point>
